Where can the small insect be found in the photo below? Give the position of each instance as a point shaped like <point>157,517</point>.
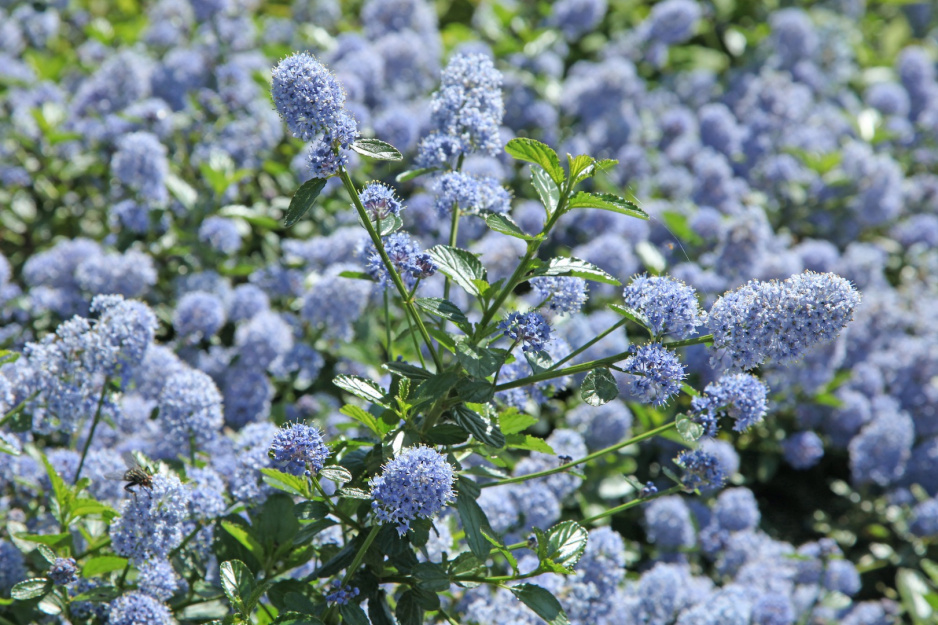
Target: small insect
<point>135,475</point>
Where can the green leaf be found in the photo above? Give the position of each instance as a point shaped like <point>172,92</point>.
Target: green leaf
<point>565,543</point>
<point>410,174</point>
<point>461,266</point>
<point>295,618</point>
<point>388,225</point>
<point>531,151</point>
<point>238,583</point>
<point>88,507</point>
<point>473,518</point>
<point>53,540</point>
<point>547,191</point>
<point>688,430</point>
<point>408,610</point>
<point>678,223</point>
<point>577,268</point>
<point>913,589</point>
<point>608,202</point>
<point>286,482</point>
<point>376,149</point>
<point>275,524</point>
<point>31,588</point>
<point>485,431</point>
<point>99,593</point>
<point>353,614</point>
<point>447,434</point>
<point>505,225</point>
<point>475,391</point>
<point>542,602</point>
<point>407,370</point>
<point>63,496</point>
<point>512,421</point>
<point>443,308</point>
<point>362,388</point>
<point>362,416</point>
<point>578,165</point>
<point>528,442</point>
<point>336,473</point>
<point>46,553</point>
<point>353,493</point>
<point>599,387</point>
<point>8,357</point>
<point>479,362</point>
<point>631,314</point>
<point>303,200</point>
<point>431,576</point>
<point>102,564</point>
<point>244,536</point>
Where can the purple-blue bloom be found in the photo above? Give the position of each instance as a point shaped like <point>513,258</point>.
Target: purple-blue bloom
<point>380,202</point>
<point>416,483</point>
<point>654,373</point>
<point>138,608</point>
<point>669,306</point>
<point>299,450</point>
<point>803,450</point>
<point>150,523</point>
<point>530,329</point>
<point>63,571</point>
<point>567,294</point>
<point>221,234</point>
<point>473,194</point>
<point>701,469</point>
<point>409,261</point>
<point>740,396</point>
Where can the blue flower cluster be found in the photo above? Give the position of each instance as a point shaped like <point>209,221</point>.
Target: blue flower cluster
<point>466,112</point>
<point>529,329</point>
<point>150,524</point>
<point>779,320</point>
<point>299,449</point>
<point>564,295</point>
<point>654,373</point>
<point>472,194</point>
<point>668,306</point>
<point>63,571</point>
<point>417,483</point>
<point>380,202</point>
<point>740,396</point>
<point>409,261</point>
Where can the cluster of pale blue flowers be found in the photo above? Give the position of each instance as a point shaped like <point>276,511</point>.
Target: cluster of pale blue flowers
<point>417,483</point>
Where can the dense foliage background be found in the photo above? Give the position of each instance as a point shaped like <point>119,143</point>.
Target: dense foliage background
<point>141,155</point>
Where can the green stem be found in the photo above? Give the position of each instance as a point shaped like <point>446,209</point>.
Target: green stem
<point>387,324</point>
<point>408,304</point>
<point>94,426</point>
<point>332,507</point>
<point>453,232</point>
<point>698,340</point>
<point>588,344</point>
<point>596,454</point>
<point>559,373</point>
<point>353,567</point>
<point>628,504</point>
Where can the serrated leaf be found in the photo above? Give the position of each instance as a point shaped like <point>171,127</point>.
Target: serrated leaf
<point>688,429</point>
<point>565,543</point>
<point>512,421</point>
<point>577,268</point>
<point>388,225</point>
<point>431,576</point>
<point>286,482</point>
<point>362,416</point>
<point>443,308</point>
<point>237,581</point>
<point>353,614</point>
<point>407,370</point>
<point>303,200</point>
<point>336,473</point>
<point>53,540</point>
<point>377,149</point>
<point>362,388</point>
<point>473,518</point>
<point>437,386</point>
<point>244,536</point>
<point>531,151</point>
<point>102,564</point>
<point>579,165</point>
<point>475,391</point>
<point>408,610</point>
<point>606,201</point>
<point>311,510</point>
<point>542,602</point>
<point>47,553</point>
<point>353,493</point>
<point>599,387</point>
<point>479,362</point>
<point>88,507</point>
<point>547,191</point>
<point>506,225</point>
<point>410,174</point>
<point>630,314</point>
<point>447,434</point>
<point>31,588</point>
<point>528,442</point>
<point>462,267</point>
<point>485,431</point>
<point>295,618</point>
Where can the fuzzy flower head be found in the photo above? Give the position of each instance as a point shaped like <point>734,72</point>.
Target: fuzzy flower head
<point>701,469</point>
<point>530,329</point>
<point>307,95</point>
<point>656,374</point>
<point>467,110</point>
<point>408,259</point>
<point>298,450</point>
<point>779,320</point>
<point>380,202</point>
<point>190,410</point>
<point>741,396</point>
<point>417,483</point>
<point>137,608</point>
<point>668,306</point>
<point>567,294</point>
<point>150,523</point>
<point>473,194</point>
<point>63,571</point>
<point>341,595</point>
